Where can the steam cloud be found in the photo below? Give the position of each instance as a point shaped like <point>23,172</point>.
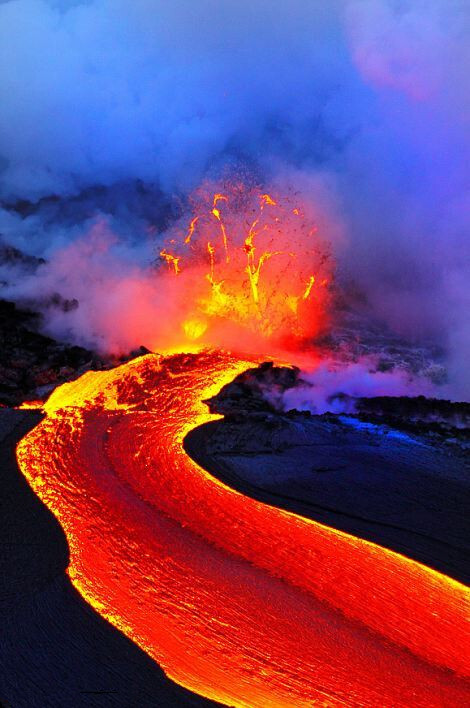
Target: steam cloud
<point>116,106</point>
<point>335,388</point>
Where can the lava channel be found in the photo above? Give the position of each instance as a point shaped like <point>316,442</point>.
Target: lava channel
<point>241,602</point>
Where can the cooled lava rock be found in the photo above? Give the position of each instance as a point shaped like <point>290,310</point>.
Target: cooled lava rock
<point>32,365</point>
<point>257,389</point>
<point>258,393</point>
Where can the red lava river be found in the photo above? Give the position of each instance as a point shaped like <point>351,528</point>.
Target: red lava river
<point>241,602</point>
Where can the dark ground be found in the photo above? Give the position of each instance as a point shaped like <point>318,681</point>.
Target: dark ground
<point>32,364</point>
<point>55,650</point>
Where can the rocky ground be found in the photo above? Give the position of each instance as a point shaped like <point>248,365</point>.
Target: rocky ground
<point>261,390</point>
<point>32,365</point>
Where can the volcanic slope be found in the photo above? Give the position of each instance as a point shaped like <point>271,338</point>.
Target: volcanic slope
<point>242,602</point>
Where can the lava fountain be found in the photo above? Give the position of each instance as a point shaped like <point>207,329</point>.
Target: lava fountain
<point>247,264</point>
<point>239,601</point>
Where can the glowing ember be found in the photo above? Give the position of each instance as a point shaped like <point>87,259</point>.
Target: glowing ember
<point>248,261</point>
<point>31,405</point>
<point>244,603</point>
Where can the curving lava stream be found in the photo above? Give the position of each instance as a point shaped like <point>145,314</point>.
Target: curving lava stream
<point>241,602</point>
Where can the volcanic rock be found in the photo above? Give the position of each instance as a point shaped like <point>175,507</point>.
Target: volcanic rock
<point>32,364</point>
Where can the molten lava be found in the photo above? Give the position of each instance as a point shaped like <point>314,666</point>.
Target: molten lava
<point>247,263</point>
<point>242,602</point>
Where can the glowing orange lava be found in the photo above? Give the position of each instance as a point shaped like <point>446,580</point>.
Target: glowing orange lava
<point>242,602</point>
<point>247,264</point>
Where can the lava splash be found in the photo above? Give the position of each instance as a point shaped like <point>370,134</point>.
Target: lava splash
<point>247,263</point>
<point>244,603</point>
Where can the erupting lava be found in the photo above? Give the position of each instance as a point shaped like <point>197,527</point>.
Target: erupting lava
<point>248,262</point>
<point>242,602</point>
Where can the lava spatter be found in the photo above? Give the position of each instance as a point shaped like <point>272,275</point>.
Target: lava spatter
<point>242,602</point>
<point>250,264</point>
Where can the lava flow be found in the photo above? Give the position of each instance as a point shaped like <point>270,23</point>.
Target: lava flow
<point>241,602</point>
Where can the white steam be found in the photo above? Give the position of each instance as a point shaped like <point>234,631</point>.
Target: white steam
<point>333,387</point>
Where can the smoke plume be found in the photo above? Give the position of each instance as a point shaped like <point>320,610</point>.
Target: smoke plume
<point>113,111</point>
